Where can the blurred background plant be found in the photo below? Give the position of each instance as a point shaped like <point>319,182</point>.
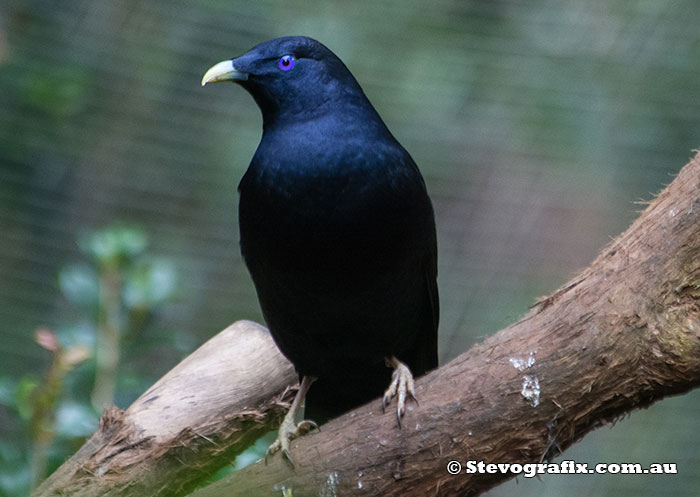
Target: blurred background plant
<point>118,289</point>
<point>536,126</point>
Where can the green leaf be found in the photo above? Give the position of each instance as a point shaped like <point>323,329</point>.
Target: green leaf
<point>8,387</point>
<point>113,245</point>
<point>83,333</point>
<point>74,420</point>
<point>15,477</point>
<point>23,397</point>
<point>149,284</point>
<point>78,282</point>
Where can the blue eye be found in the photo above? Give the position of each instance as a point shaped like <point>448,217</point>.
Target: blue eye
<point>287,62</point>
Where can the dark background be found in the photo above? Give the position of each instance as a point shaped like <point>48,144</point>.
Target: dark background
<point>537,127</point>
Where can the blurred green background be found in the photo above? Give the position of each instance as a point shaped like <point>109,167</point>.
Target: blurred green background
<point>537,125</point>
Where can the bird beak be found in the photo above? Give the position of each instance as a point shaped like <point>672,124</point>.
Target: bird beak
<point>223,71</point>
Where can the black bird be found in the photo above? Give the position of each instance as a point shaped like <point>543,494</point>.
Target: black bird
<point>337,231</point>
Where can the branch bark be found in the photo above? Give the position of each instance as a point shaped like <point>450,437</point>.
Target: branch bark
<point>194,420</point>
<point>619,336</point>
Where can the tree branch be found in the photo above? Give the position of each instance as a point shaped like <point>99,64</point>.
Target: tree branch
<point>619,336</point>
<point>195,419</point>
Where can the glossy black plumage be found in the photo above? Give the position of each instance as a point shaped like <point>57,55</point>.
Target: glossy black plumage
<point>336,229</point>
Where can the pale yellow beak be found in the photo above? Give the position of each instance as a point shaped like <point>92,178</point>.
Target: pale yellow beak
<point>223,71</point>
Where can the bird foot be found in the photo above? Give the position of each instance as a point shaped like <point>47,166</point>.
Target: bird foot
<point>288,431</point>
<point>401,384</point>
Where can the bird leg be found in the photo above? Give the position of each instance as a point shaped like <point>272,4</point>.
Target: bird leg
<point>401,382</point>
<point>289,430</point>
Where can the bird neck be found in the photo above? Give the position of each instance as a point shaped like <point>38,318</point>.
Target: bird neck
<point>352,102</point>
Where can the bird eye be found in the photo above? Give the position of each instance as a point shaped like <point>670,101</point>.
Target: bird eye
<point>287,62</point>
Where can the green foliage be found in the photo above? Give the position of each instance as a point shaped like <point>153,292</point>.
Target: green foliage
<point>23,397</point>
<point>117,289</point>
<point>114,246</point>
<point>78,283</point>
<point>15,470</point>
<point>146,281</point>
<point>149,283</point>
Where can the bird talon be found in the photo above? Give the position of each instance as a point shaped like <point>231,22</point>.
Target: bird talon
<point>410,389</point>
<point>305,427</point>
<point>402,383</point>
<point>388,395</point>
<point>272,449</point>
<point>289,430</point>
<point>288,458</point>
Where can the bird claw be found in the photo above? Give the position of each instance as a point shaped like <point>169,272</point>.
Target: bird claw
<point>289,431</point>
<point>401,384</point>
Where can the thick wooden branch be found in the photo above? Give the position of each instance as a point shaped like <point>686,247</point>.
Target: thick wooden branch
<point>622,334</point>
<point>194,420</point>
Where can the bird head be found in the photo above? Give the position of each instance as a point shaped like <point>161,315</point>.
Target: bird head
<point>292,78</point>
